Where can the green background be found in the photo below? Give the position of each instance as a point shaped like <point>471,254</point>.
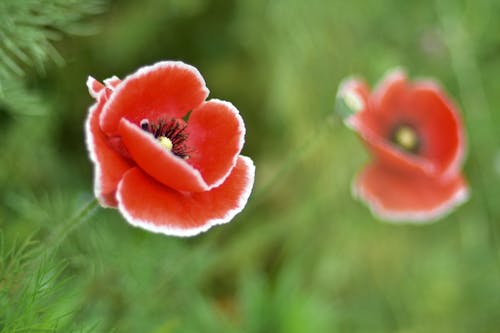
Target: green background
<point>303,256</point>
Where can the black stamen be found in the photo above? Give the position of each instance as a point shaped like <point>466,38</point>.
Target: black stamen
<point>145,124</point>
<point>174,130</point>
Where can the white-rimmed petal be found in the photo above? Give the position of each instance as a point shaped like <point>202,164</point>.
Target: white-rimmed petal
<point>148,204</point>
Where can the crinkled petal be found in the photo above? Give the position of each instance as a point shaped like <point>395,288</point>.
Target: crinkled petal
<point>112,82</point>
<point>159,162</point>
<point>168,89</point>
<point>216,134</point>
<point>147,204</point>
<point>109,165</point>
<point>401,196</point>
<point>95,87</point>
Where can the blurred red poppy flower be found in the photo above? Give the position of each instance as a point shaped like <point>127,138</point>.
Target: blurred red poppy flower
<point>164,156</point>
<point>416,138</point>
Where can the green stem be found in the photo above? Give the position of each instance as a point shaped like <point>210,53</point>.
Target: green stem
<point>65,229</point>
<point>291,160</point>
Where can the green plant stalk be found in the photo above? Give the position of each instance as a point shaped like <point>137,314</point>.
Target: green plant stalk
<point>65,229</point>
<point>468,76</point>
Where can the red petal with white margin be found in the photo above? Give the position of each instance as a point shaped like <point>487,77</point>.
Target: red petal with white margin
<point>168,89</point>
<point>216,134</point>
<point>399,196</point>
<point>147,204</point>
<point>109,165</point>
<point>159,162</point>
<point>95,87</point>
<point>112,82</point>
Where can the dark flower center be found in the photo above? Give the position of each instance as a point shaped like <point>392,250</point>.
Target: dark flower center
<point>406,138</point>
<point>170,133</point>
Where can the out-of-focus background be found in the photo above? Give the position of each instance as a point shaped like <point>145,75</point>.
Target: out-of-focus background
<point>303,256</point>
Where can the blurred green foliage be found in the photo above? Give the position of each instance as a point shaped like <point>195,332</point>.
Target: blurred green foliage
<point>303,256</point>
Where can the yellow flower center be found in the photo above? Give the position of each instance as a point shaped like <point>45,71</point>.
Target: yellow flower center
<point>406,138</point>
<point>165,142</point>
<point>170,133</point>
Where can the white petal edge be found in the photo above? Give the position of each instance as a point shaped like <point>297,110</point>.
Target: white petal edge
<point>89,140</point>
<point>148,69</point>
<point>410,217</point>
<point>95,94</point>
<point>189,232</point>
<point>112,82</point>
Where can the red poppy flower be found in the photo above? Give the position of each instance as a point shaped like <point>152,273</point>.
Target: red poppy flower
<point>416,138</point>
<point>164,156</point>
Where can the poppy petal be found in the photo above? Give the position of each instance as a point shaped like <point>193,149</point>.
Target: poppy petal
<point>95,87</point>
<point>391,89</point>
<point>387,154</point>
<point>439,127</point>
<point>109,165</point>
<point>159,162</point>
<point>112,82</point>
<point>147,204</point>
<point>400,196</point>
<point>425,108</point>
<point>216,134</point>
<point>168,89</point>
<point>387,100</point>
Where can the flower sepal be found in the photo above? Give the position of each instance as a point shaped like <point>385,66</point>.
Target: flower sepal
<point>348,104</point>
